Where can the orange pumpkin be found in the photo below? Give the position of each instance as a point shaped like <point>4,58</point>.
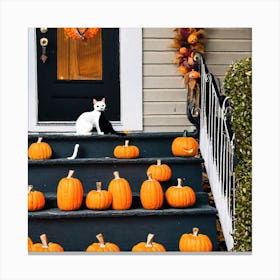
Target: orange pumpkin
<point>81,33</point>
<point>46,246</point>
<point>151,194</point>
<point>180,196</point>
<point>39,150</point>
<point>148,246</point>
<point>36,199</point>
<point>195,242</point>
<point>184,146</point>
<point>30,243</point>
<point>69,193</point>
<point>126,151</point>
<point>194,74</point>
<point>102,246</point>
<point>161,172</point>
<point>99,199</point>
<point>121,192</point>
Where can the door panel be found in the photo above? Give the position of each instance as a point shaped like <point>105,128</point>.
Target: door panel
<point>65,100</point>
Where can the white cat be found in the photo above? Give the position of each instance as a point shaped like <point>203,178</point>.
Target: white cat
<point>88,120</point>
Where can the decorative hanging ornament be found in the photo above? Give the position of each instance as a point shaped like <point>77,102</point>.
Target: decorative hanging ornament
<point>81,33</point>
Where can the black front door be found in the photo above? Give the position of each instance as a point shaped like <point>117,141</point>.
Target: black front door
<point>66,99</point>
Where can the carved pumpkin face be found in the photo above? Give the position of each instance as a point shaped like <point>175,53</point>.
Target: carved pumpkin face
<point>184,146</point>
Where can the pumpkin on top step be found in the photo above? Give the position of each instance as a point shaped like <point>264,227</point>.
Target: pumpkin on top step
<point>30,243</point>
<point>161,172</point>
<point>102,246</point>
<point>39,150</point>
<point>36,199</point>
<point>121,192</point>
<point>126,151</point>
<point>46,246</point>
<point>69,193</point>
<point>149,245</point>
<point>99,199</point>
<point>151,193</point>
<point>180,196</point>
<point>195,242</point>
<point>184,146</point>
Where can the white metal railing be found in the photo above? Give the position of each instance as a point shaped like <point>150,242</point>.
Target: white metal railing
<point>217,149</point>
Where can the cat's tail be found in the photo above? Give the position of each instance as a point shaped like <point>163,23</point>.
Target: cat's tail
<point>119,133</point>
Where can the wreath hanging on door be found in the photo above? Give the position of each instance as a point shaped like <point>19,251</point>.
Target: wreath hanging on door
<point>81,33</point>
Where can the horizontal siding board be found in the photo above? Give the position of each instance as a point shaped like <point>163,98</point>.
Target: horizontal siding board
<point>173,128</point>
<point>158,33</point>
<point>225,58</point>
<point>154,95</point>
<point>153,57</point>
<point>163,82</point>
<point>169,120</point>
<point>160,70</point>
<point>160,108</point>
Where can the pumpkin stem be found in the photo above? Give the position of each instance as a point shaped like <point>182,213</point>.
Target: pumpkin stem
<point>185,133</point>
<point>150,238</point>
<point>101,239</point>
<point>180,182</point>
<point>39,139</point>
<point>98,186</point>
<point>117,175</point>
<point>70,174</point>
<point>30,187</point>
<point>195,231</point>
<point>149,175</point>
<point>158,162</point>
<point>44,240</point>
<point>126,143</point>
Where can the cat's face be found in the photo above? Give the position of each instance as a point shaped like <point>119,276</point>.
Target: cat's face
<point>99,105</point>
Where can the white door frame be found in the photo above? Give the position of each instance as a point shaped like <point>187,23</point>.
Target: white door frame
<point>130,85</point>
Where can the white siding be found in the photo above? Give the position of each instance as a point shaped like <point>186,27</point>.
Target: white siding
<point>164,94</point>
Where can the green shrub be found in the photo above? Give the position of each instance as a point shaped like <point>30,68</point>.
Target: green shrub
<point>238,87</point>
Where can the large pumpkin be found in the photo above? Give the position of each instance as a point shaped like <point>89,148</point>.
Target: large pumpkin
<point>99,199</point>
<point>184,146</point>
<point>121,192</point>
<point>151,193</point>
<point>36,199</point>
<point>195,242</point>
<point>180,196</point>
<point>102,246</point>
<point>161,172</point>
<point>39,150</point>
<point>46,246</point>
<point>69,193</point>
<point>126,151</point>
<point>148,246</point>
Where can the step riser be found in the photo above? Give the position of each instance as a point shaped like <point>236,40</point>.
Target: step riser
<point>45,178</point>
<point>78,234</point>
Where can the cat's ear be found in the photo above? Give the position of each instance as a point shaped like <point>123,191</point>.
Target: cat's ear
<point>103,100</point>
<point>94,101</point>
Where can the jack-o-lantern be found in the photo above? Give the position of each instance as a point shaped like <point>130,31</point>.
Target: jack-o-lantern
<point>184,146</point>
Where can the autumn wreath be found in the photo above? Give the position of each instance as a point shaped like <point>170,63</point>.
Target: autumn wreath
<point>81,33</point>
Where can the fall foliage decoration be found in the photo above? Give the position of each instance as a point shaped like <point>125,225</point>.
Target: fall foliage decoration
<point>180,196</point>
<point>98,199</point>
<point>39,150</point>
<point>36,199</point>
<point>195,242</point>
<point>121,192</point>
<point>46,246</point>
<point>102,246</point>
<point>184,146</point>
<point>149,245</point>
<point>151,193</point>
<point>161,172</point>
<point>126,151</point>
<point>69,193</point>
<point>81,33</point>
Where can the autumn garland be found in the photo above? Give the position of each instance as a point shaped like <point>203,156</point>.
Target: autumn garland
<point>81,33</point>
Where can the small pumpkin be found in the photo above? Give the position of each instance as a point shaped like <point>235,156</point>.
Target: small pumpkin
<point>36,199</point>
<point>195,242</point>
<point>30,243</point>
<point>46,246</point>
<point>151,193</point>
<point>149,245</point>
<point>102,246</point>
<point>39,150</point>
<point>121,192</point>
<point>69,193</point>
<point>161,172</point>
<point>180,196</point>
<point>126,151</point>
<point>99,199</point>
<point>184,146</point>
<point>194,74</point>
